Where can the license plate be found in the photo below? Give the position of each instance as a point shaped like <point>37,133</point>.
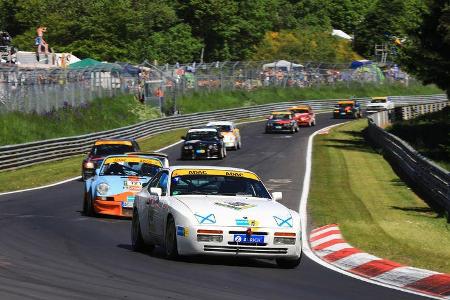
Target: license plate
<point>248,239</point>
<point>199,151</point>
<point>343,113</point>
<point>127,204</point>
<point>277,127</point>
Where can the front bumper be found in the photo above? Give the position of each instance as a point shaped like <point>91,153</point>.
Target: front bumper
<point>200,153</point>
<point>188,245</point>
<point>112,208</point>
<point>279,128</point>
<point>344,115</point>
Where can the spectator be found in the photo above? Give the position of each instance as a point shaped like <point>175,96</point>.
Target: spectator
<point>42,46</point>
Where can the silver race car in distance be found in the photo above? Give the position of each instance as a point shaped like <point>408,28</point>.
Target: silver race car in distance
<point>191,210</point>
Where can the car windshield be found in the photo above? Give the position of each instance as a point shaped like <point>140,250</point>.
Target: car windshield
<point>300,111</point>
<point>129,168</point>
<point>219,185</point>
<point>280,117</point>
<point>378,101</point>
<point>105,150</point>
<point>201,135</point>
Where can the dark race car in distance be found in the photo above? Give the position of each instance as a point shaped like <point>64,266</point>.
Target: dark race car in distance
<point>204,142</point>
<point>347,109</point>
<point>280,121</point>
<point>103,148</point>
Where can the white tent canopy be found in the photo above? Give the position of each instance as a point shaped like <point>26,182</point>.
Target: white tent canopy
<point>341,34</point>
<point>282,64</point>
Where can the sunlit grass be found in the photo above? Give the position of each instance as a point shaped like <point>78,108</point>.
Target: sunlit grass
<point>355,187</point>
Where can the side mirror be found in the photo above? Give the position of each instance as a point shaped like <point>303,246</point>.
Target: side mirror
<point>156,191</point>
<point>221,137</point>
<point>277,196</point>
<point>183,137</point>
<point>97,171</point>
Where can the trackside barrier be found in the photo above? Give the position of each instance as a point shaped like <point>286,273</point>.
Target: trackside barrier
<point>431,179</point>
<point>22,155</point>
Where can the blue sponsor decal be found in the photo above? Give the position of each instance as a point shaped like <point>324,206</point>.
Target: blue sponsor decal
<point>182,231</point>
<point>130,198</point>
<point>209,219</point>
<point>248,239</point>
<point>283,222</point>
<point>242,222</point>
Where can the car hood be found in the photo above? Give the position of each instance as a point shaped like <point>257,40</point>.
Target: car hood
<point>238,211</point>
<point>280,121</point>
<point>122,184</point>
<point>194,142</point>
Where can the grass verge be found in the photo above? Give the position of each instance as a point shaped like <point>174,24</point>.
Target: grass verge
<point>99,115</point>
<point>355,187</point>
<point>51,172</point>
<point>204,101</point>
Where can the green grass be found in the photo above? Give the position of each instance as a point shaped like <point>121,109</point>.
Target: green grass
<point>51,172</point>
<point>355,187</point>
<point>204,101</point>
<point>429,134</point>
<point>101,114</point>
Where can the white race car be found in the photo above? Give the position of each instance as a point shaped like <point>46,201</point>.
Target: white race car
<point>192,210</point>
<point>229,131</point>
<point>378,104</point>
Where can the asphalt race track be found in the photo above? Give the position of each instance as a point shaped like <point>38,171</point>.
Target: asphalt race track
<point>49,250</point>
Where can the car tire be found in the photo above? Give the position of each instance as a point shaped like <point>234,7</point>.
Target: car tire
<point>314,123</point>
<point>239,144</point>
<point>224,151</point>
<point>170,239</point>
<point>284,263</point>
<point>90,211</point>
<point>292,130</point>
<point>137,241</point>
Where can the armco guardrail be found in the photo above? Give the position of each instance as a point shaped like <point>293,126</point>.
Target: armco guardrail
<point>21,155</point>
<point>432,180</point>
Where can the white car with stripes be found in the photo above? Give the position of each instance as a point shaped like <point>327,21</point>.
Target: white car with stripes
<point>190,210</point>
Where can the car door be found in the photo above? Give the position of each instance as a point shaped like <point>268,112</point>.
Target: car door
<point>160,207</point>
<point>149,214</point>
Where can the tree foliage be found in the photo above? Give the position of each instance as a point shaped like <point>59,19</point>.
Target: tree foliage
<point>177,30</point>
<point>427,51</point>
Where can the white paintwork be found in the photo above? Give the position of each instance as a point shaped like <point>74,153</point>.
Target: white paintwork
<point>191,212</point>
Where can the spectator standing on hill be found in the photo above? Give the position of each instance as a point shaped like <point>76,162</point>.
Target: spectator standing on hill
<point>41,44</point>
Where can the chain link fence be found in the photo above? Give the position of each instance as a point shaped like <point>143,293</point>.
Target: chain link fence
<point>41,90</point>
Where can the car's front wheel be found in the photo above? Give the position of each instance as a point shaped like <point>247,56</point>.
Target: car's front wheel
<point>88,206</point>
<point>171,247</point>
<point>288,263</point>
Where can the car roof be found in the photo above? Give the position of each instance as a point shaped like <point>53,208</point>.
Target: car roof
<point>134,155</point>
<point>158,154</point>
<point>212,129</point>
<point>380,98</point>
<point>301,107</point>
<point>281,113</point>
<point>346,102</point>
<point>216,123</point>
<point>128,142</point>
<point>190,167</point>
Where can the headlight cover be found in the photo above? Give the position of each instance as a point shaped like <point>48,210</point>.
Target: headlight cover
<point>188,147</point>
<point>102,188</point>
<point>89,165</point>
<point>284,241</point>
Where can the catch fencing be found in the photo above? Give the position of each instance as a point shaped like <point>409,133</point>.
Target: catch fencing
<point>21,155</point>
<point>44,89</point>
<point>432,180</point>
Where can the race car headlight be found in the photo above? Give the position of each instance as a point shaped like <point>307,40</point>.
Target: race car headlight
<point>188,147</point>
<point>89,165</point>
<point>102,188</point>
<point>212,146</point>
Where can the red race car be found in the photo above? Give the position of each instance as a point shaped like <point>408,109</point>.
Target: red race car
<point>304,115</point>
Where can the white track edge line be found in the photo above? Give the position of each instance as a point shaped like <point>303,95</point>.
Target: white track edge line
<point>304,224</point>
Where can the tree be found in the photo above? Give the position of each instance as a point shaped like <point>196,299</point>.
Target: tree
<point>427,50</point>
<point>387,18</point>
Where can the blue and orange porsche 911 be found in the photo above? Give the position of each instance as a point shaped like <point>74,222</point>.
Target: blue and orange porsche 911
<point>111,191</point>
